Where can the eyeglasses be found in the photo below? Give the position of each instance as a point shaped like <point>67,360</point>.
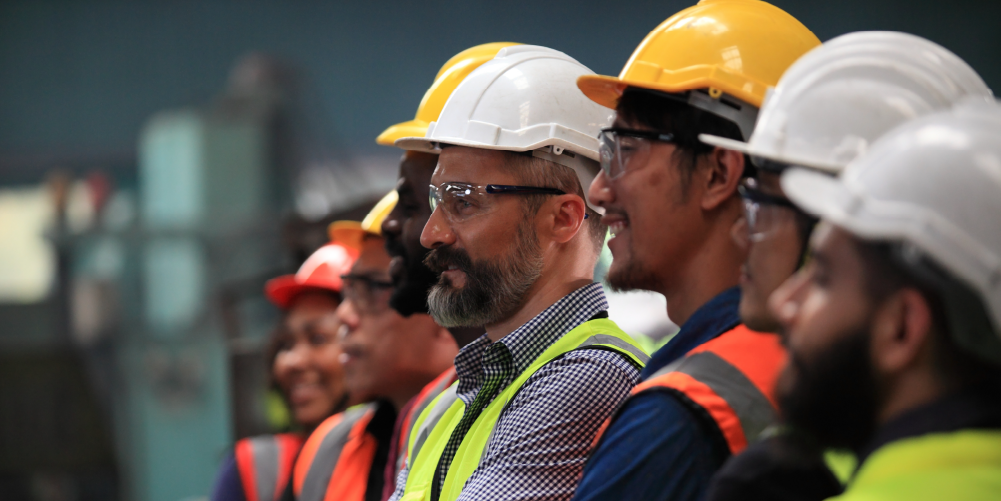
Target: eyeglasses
<point>618,147</point>
<point>370,295</point>
<point>763,213</point>
<point>461,201</point>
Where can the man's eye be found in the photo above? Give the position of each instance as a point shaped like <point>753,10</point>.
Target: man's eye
<point>462,206</point>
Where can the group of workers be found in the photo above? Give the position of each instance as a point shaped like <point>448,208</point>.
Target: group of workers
<point>824,221</point>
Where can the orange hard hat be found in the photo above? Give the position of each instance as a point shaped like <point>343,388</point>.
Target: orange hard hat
<point>322,270</point>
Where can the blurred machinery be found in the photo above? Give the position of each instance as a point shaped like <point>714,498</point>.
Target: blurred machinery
<point>135,354</point>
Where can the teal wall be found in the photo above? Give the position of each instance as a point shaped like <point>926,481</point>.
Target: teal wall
<point>82,76</point>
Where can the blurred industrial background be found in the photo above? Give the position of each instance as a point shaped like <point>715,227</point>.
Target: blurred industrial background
<point>160,160</point>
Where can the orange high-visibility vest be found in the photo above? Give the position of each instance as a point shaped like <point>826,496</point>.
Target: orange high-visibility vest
<point>422,400</point>
<point>265,464</point>
<point>335,460</point>
<point>731,378</point>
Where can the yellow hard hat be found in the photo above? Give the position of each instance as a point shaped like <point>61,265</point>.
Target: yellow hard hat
<point>351,233</point>
<point>737,47</point>
<point>448,78</point>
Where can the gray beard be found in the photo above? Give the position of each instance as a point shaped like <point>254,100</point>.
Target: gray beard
<point>494,290</point>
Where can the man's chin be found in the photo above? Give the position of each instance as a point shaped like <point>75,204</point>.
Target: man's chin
<point>628,277</point>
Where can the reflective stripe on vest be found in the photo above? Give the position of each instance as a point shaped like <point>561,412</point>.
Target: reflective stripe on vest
<point>424,399</point>
<point>732,378</point>
<point>335,460</point>
<point>435,425</point>
<point>265,463</point>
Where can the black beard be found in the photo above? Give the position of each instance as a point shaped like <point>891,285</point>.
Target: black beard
<point>833,398</point>
<point>410,292</point>
<point>494,290</point>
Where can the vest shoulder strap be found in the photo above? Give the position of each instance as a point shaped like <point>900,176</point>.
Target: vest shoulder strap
<point>324,450</point>
<point>265,464</point>
<point>731,378</point>
<point>599,333</point>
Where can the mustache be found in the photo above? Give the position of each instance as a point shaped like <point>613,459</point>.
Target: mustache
<point>438,260</point>
<point>395,247</point>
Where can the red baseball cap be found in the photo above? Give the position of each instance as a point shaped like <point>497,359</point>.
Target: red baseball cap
<point>322,270</point>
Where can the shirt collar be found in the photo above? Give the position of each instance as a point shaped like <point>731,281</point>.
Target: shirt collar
<point>972,408</point>
<point>527,342</point>
<point>713,318</point>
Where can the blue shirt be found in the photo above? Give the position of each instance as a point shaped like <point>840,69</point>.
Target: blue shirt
<point>656,448</point>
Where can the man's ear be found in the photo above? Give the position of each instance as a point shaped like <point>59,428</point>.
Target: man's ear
<point>565,216</point>
<point>901,331</point>
<point>721,177</point>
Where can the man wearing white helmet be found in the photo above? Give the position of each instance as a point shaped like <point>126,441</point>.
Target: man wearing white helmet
<point>894,325</point>
<point>827,109</point>
<point>515,243</point>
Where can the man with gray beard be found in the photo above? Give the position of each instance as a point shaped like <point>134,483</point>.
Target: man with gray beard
<point>514,243</point>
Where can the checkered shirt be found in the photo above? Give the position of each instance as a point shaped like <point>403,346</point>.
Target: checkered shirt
<point>541,439</point>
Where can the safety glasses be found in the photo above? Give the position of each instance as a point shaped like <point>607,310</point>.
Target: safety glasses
<point>764,213</point>
<point>369,295</point>
<point>618,148</point>
<point>461,201</point>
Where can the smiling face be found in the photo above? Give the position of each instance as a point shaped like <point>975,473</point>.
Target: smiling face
<point>307,365</point>
<point>386,355</point>
<point>653,219</point>
<point>412,279</point>
<point>773,246</point>
<point>485,249</point>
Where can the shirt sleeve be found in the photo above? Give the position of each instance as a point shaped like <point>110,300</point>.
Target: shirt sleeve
<point>656,449</point>
<point>228,486</point>
<point>541,441</point>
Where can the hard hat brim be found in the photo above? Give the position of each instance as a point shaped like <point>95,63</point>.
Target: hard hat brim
<point>602,89</point>
<point>725,143</point>
<point>347,233</point>
<point>412,128</point>
<point>283,290</point>
<point>821,195</point>
<point>431,145</point>
<point>749,149</point>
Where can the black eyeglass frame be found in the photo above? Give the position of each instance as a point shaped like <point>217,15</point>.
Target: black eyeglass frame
<point>611,146</point>
<point>504,189</point>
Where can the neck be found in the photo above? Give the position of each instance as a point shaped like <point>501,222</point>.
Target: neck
<point>910,391</point>
<point>465,335</point>
<point>542,295</point>
<point>711,269</point>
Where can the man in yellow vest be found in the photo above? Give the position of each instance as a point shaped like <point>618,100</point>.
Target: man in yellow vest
<point>402,228</point>
<point>894,326</point>
<point>515,244</point>
<point>671,202</point>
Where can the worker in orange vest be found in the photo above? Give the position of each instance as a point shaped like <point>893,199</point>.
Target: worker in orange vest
<point>388,359</point>
<point>671,201</point>
<point>306,369</point>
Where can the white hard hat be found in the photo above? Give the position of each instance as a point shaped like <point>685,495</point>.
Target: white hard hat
<point>525,99</point>
<point>837,99</point>
<point>932,185</point>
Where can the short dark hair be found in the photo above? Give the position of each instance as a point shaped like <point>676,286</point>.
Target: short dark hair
<point>533,171</point>
<point>886,271</point>
<point>671,114</point>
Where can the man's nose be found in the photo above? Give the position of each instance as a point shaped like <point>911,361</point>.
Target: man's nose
<point>600,192</point>
<point>347,313</point>
<point>437,231</point>
<point>785,301</point>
